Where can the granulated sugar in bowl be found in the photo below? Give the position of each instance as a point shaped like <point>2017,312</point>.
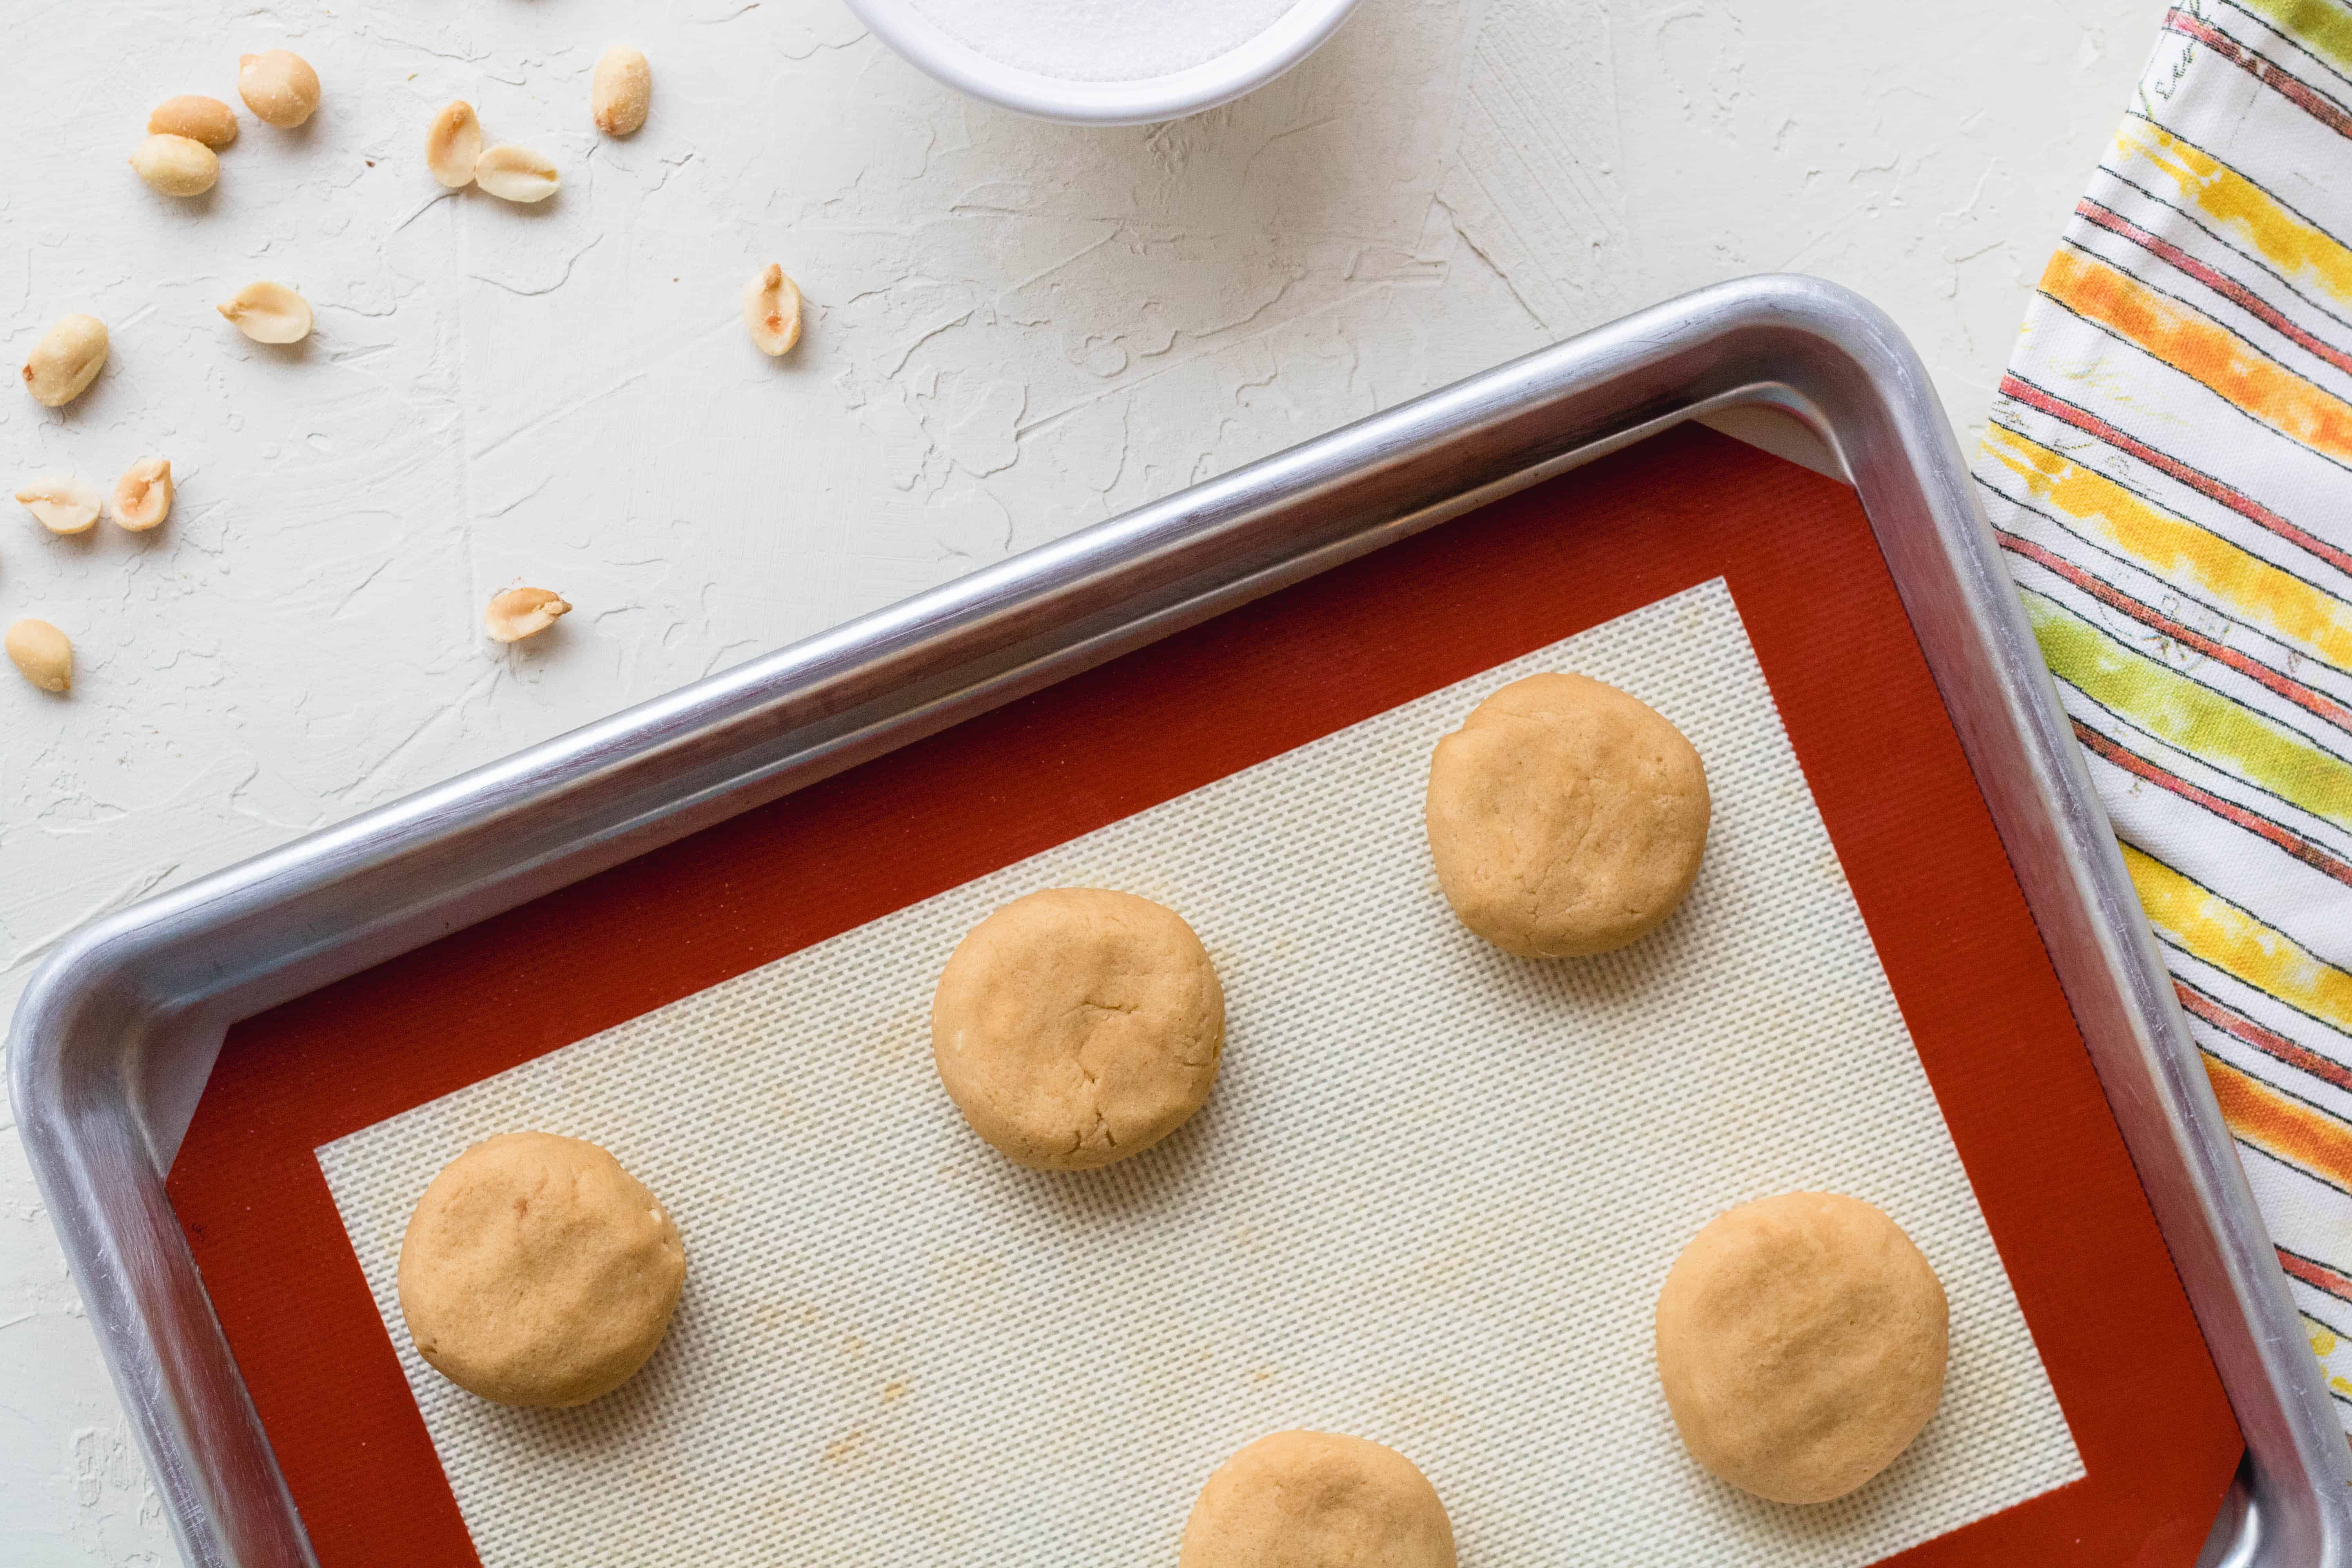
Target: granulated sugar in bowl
<point>1104,62</point>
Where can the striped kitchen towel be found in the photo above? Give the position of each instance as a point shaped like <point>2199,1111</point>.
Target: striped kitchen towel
<point>2168,467</point>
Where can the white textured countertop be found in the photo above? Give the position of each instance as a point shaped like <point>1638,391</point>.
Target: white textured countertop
<point>1014,329</point>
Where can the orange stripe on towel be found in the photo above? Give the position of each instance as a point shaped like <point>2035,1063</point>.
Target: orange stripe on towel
<point>2201,349</point>
<point>2282,1125</point>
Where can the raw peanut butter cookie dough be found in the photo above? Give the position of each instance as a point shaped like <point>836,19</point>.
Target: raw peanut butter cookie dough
<point>1316,1499</point>
<point>1566,817</point>
<point>537,1271</point>
<point>1802,1342</point>
<point>1076,1027</point>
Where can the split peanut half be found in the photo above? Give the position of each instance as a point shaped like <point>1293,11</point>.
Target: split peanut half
<point>771,310</point>
<point>195,117</point>
<point>269,313</point>
<point>519,612</point>
<point>176,166</point>
<point>279,86</point>
<point>65,361</point>
<point>515,174</point>
<point>620,90</point>
<point>142,496</point>
<point>453,144</point>
<point>60,502</point>
<point>42,653</point>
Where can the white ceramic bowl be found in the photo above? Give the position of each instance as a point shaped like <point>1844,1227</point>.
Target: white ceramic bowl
<point>1248,65</point>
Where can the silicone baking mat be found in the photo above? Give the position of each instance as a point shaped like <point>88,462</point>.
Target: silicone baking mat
<point>1430,1205</point>
<point>1431,1198</point>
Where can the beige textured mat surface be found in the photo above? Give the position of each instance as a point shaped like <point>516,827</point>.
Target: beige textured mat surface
<point>1430,1202</point>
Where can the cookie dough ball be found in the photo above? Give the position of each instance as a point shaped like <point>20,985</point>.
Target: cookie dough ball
<point>1566,817</point>
<point>537,1271</point>
<point>1077,1027</point>
<point>1802,1343</point>
<point>1315,1499</point>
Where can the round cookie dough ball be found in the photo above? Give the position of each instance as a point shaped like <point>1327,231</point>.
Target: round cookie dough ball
<point>1802,1343</point>
<point>537,1271</point>
<point>1076,1027</point>
<point>1316,1499</point>
<point>1566,817</point>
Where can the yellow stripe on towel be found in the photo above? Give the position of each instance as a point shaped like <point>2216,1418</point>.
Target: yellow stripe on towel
<point>2168,167</point>
<point>2179,550</point>
<point>2212,928</point>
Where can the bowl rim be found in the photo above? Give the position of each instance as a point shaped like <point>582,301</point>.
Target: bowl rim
<point>1142,101</point>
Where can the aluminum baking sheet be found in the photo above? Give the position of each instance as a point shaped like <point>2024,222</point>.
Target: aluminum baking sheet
<point>112,1041</point>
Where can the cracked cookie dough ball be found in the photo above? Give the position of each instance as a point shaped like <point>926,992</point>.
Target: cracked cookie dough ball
<point>537,1271</point>
<point>1076,1027</point>
<point>1316,1499</point>
<point>1802,1342</point>
<point>1566,817</point>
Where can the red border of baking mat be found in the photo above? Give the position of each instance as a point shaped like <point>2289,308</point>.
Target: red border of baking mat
<point>1952,930</point>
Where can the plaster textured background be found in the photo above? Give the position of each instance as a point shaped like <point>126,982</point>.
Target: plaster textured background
<point>1014,329</point>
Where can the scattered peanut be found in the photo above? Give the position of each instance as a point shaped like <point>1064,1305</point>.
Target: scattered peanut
<point>42,653</point>
<point>142,496</point>
<point>65,361</point>
<point>519,612</point>
<point>61,503</point>
<point>515,174</point>
<point>621,88</point>
<point>279,86</point>
<point>269,313</point>
<point>195,117</point>
<point>453,144</point>
<point>176,166</point>
<point>771,309</point>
